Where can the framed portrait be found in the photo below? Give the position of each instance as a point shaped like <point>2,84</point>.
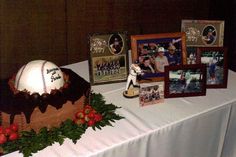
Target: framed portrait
<point>108,58</point>
<point>152,52</point>
<point>215,59</point>
<point>185,80</point>
<point>203,33</point>
<point>150,94</point>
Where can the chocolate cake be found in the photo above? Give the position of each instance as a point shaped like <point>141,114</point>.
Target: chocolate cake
<point>34,110</point>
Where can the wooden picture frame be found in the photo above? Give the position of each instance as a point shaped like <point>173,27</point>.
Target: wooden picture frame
<point>203,33</point>
<point>108,57</point>
<point>185,80</point>
<point>216,60</point>
<point>146,48</point>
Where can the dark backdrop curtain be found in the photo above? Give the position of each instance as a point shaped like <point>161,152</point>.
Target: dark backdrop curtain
<point>57,30</point>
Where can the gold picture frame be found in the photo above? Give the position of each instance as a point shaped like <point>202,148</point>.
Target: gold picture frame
<point>108,57</point>
<point>203,33</point>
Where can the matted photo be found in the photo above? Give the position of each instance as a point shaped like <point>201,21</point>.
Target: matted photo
<point>152,52</point>
<point>215,59</point>
<point>203,33</point>
<point>185,80</point>
<point>108,58</point>
<point>150,94</point>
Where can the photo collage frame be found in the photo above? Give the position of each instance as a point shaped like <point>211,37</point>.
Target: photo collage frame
<point>108,58</point>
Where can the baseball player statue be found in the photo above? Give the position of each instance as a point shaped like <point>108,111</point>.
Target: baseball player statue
<point>135,70</point>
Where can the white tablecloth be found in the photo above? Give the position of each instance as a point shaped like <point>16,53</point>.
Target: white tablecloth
<point>180,127</point>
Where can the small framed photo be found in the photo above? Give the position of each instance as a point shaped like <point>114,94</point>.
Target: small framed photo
<point>150,94</point>
<point>153,52</point>
<point>191,55</point>
<point>108,58</point>
<point>215,59</point>
<point>185,80</point>
<point>203,33</point>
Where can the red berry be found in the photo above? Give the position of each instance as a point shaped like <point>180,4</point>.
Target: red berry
<point>87,107</point>
<point>13,136</point>
<point>14,127</point>
<point>91,115</point>
<point>8,131</point>
<point>87,110</point>
<point>3,139</point>
<point>97,117</point>
<point>80,121</point>
<point>91,122</point>
<point>93,111</point>
<point>86,118</point>
<point>79,114</point>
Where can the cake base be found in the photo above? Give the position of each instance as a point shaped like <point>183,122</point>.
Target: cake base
<point>52,117</point>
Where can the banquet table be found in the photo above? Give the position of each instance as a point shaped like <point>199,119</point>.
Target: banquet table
<point>202,126</point>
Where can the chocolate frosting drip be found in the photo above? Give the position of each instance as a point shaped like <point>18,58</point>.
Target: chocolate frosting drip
<point>14,104</point>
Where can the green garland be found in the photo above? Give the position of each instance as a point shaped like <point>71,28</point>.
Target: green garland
<point>31,142</point>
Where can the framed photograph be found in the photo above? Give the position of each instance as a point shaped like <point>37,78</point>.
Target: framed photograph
<point>152,52</point>
<point>150,94</point>
<point>203,33</point>
<point>185,80</point>
<point>108,58</point>
<point>215,59</point>
<point>191,55</point>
